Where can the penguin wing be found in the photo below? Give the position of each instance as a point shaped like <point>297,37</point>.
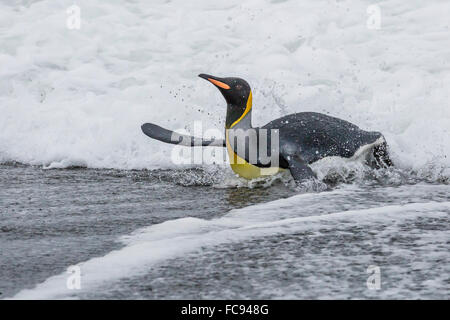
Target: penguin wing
<point>172,137</point>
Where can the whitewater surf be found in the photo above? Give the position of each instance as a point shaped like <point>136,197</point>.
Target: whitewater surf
<point>90,208</point>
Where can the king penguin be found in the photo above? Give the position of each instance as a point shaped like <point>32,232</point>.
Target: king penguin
<point>301,138</point>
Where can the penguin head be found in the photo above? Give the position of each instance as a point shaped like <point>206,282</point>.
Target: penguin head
<point>237,94</point>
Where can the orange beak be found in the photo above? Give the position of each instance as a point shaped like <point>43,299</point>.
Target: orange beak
<point>214,81</point>
<point>219,83</point>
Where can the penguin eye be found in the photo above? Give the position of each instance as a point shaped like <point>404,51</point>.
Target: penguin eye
<point>238,86</point>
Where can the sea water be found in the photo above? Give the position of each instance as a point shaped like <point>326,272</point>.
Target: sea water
<point>82,186</point>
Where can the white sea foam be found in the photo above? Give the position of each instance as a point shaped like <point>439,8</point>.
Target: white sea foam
<point>158,243</point>
<point>78,97</point>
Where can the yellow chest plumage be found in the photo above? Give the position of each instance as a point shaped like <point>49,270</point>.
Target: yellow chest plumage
<point>238,164</point>
<point>245,169</point>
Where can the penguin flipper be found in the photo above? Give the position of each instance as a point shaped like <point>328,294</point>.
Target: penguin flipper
<point>172,137</point>
<point>299,169</point>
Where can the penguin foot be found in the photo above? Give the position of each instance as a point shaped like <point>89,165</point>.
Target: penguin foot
<point>299,169</point>
<point>381,157</point>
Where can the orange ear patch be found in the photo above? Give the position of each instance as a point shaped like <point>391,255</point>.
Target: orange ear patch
<point>219,84</point>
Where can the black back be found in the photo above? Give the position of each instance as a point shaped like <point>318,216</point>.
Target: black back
<point>314,136</point>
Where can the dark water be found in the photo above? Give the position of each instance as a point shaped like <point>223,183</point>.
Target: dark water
<point>50,219</point>
<point>313,245</point>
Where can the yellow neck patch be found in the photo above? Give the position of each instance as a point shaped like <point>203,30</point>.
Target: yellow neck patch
<point>247,109</point>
